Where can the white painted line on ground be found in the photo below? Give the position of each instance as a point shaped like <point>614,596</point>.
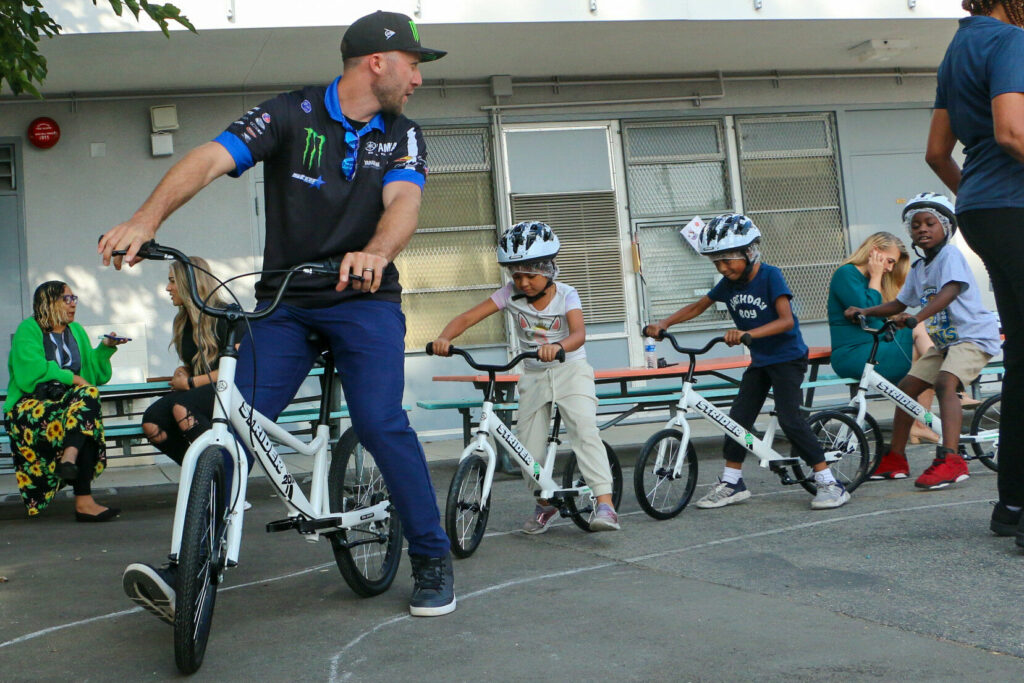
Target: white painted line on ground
<point>336,659</point>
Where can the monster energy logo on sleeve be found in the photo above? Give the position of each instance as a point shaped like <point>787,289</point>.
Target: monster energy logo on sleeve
<point>313,152</point>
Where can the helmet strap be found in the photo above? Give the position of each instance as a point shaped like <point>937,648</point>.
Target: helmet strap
<point>538,295</point>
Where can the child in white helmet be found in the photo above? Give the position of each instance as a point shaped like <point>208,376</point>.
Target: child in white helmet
<point>758,300</point>
<point>965,334</point>
<point>547,316</point>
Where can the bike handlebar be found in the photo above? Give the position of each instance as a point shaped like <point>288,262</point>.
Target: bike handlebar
<point>886,327</point>
<point>560,357</point>
<point>746,340</point>
<point>151,251</point>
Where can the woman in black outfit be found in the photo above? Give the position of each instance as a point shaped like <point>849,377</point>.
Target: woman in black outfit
<point>980,102</point>
<point>174,421</point>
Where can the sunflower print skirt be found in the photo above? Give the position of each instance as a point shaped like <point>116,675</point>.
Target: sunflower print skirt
<point>38,432</point>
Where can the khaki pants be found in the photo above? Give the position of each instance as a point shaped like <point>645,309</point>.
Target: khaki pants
<point>571,386</point>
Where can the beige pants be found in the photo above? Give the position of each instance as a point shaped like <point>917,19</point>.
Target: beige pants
<point>571,386</point>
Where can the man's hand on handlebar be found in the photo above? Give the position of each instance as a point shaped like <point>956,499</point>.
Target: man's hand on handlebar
<point>370,267</point>
<point>440,347</point>
<point>901,320</point>
<point>127,237</point>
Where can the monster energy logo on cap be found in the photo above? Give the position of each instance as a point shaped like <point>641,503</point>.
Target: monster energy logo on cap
<point>313,152</point>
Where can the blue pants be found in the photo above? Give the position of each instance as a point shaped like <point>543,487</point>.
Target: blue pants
<point>367,340</point>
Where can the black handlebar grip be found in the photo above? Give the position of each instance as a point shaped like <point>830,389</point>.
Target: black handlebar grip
<point>560,356</point>
<point>746,339</point>
<point>910,323</point>
<point>430,348</point>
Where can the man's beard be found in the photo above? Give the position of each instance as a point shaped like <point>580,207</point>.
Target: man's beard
<point>389,97</point>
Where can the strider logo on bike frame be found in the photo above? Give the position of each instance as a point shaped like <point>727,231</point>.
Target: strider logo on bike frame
<point>519,449</point>
<point>902,399</point>
<point>262,439</point>
<point>722,419</point>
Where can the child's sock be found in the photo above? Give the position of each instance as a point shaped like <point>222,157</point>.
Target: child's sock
<point>824,477</point>
<point>732,476</point>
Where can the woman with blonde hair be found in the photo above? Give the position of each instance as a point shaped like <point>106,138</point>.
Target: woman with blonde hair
<point>873,274</point>
<point>175,420</point>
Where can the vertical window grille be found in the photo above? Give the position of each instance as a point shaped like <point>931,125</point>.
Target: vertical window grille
<point>450,264</point>
<point>790,183</point>
<point>675,170</point>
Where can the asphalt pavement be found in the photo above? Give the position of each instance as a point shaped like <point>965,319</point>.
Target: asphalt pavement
<point>899,584</point>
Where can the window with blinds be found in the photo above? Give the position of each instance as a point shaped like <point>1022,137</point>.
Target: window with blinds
<point>8,181</point>
<point>675,171</point>
<point>789,174</point>
<point>450,265</point>
<point>590,257</point>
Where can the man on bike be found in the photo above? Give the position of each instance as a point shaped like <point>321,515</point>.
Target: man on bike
<point>344,173</point>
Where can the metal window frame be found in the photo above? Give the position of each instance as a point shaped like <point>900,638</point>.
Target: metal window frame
<point>825,117</point>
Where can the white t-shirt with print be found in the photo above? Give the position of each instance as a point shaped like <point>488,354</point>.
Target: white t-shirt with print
<point>966,318</point>
<point>536,328</point>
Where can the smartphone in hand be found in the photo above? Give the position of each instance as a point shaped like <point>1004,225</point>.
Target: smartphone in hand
<point>115,338</point>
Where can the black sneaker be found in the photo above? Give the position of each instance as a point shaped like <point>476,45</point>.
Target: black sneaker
<point>152,589</point>
<point>1004,521</point>
<point>433,592</point>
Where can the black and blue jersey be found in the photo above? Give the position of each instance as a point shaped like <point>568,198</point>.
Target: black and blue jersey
<point>323,183</point>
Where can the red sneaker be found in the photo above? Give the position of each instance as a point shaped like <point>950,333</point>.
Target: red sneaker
<point>946,469</point>
<point>893,465</point>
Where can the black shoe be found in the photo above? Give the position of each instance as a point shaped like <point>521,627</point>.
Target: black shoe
<point>152,589</point>
<point>433,592</point>
<point>105,516</point>
<point>68,471</point>
<point>1004,521</point>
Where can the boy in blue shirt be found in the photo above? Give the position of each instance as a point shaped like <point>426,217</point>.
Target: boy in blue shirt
<point>758,300</point>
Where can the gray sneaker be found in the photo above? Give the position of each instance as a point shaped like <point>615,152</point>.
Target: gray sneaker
<point>605,519</point>
<point>541,519</point>
<point>830,495</point>
<point>722,494</point>
<point>433,592</point>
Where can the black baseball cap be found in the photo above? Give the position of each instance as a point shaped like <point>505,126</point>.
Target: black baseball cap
<point>385,32</point>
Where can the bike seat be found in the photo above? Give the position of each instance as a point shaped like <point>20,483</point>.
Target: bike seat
<point>324,349</point>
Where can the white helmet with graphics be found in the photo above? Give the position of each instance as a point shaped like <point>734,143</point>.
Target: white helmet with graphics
<point>527,243</point>
<point>731,235</point>
<point>936,204</point>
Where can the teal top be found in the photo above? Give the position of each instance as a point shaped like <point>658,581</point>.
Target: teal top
<point>27,364</point>
<point>852,345</point>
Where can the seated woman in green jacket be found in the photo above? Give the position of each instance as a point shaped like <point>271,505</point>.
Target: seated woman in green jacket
<point>873,274</point>
<point>52,412</point>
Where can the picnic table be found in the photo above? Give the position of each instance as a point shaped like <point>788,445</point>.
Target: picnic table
<point>630,401</point>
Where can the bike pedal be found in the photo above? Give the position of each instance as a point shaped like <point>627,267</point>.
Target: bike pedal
<point>283,524</point>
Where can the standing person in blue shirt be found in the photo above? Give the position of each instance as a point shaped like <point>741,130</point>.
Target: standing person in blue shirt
<point>344,173</point>
<point>979,101</point>
<point>758,300</point>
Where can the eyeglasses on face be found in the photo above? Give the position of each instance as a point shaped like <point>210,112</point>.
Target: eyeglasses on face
<point>70,298</point>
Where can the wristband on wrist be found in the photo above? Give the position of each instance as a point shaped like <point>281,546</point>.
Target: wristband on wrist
<point>191,382</point>
<point>559,345</point>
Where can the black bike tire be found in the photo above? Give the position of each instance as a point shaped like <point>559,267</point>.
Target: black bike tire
<point>196,583</point>
<point>572,474</point>
<point>863,466</point>
<point>464,544</point>
<point>979,415</point>
<point>876,440</point>
<point>366,575</point>
<point>649,452</point>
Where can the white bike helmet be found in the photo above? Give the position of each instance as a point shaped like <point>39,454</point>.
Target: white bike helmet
<point>527,242</point>
<point>730,232</point>
<point>936,204</point>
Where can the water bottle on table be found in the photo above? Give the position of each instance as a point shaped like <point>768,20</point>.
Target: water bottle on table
<point>650,354</point>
